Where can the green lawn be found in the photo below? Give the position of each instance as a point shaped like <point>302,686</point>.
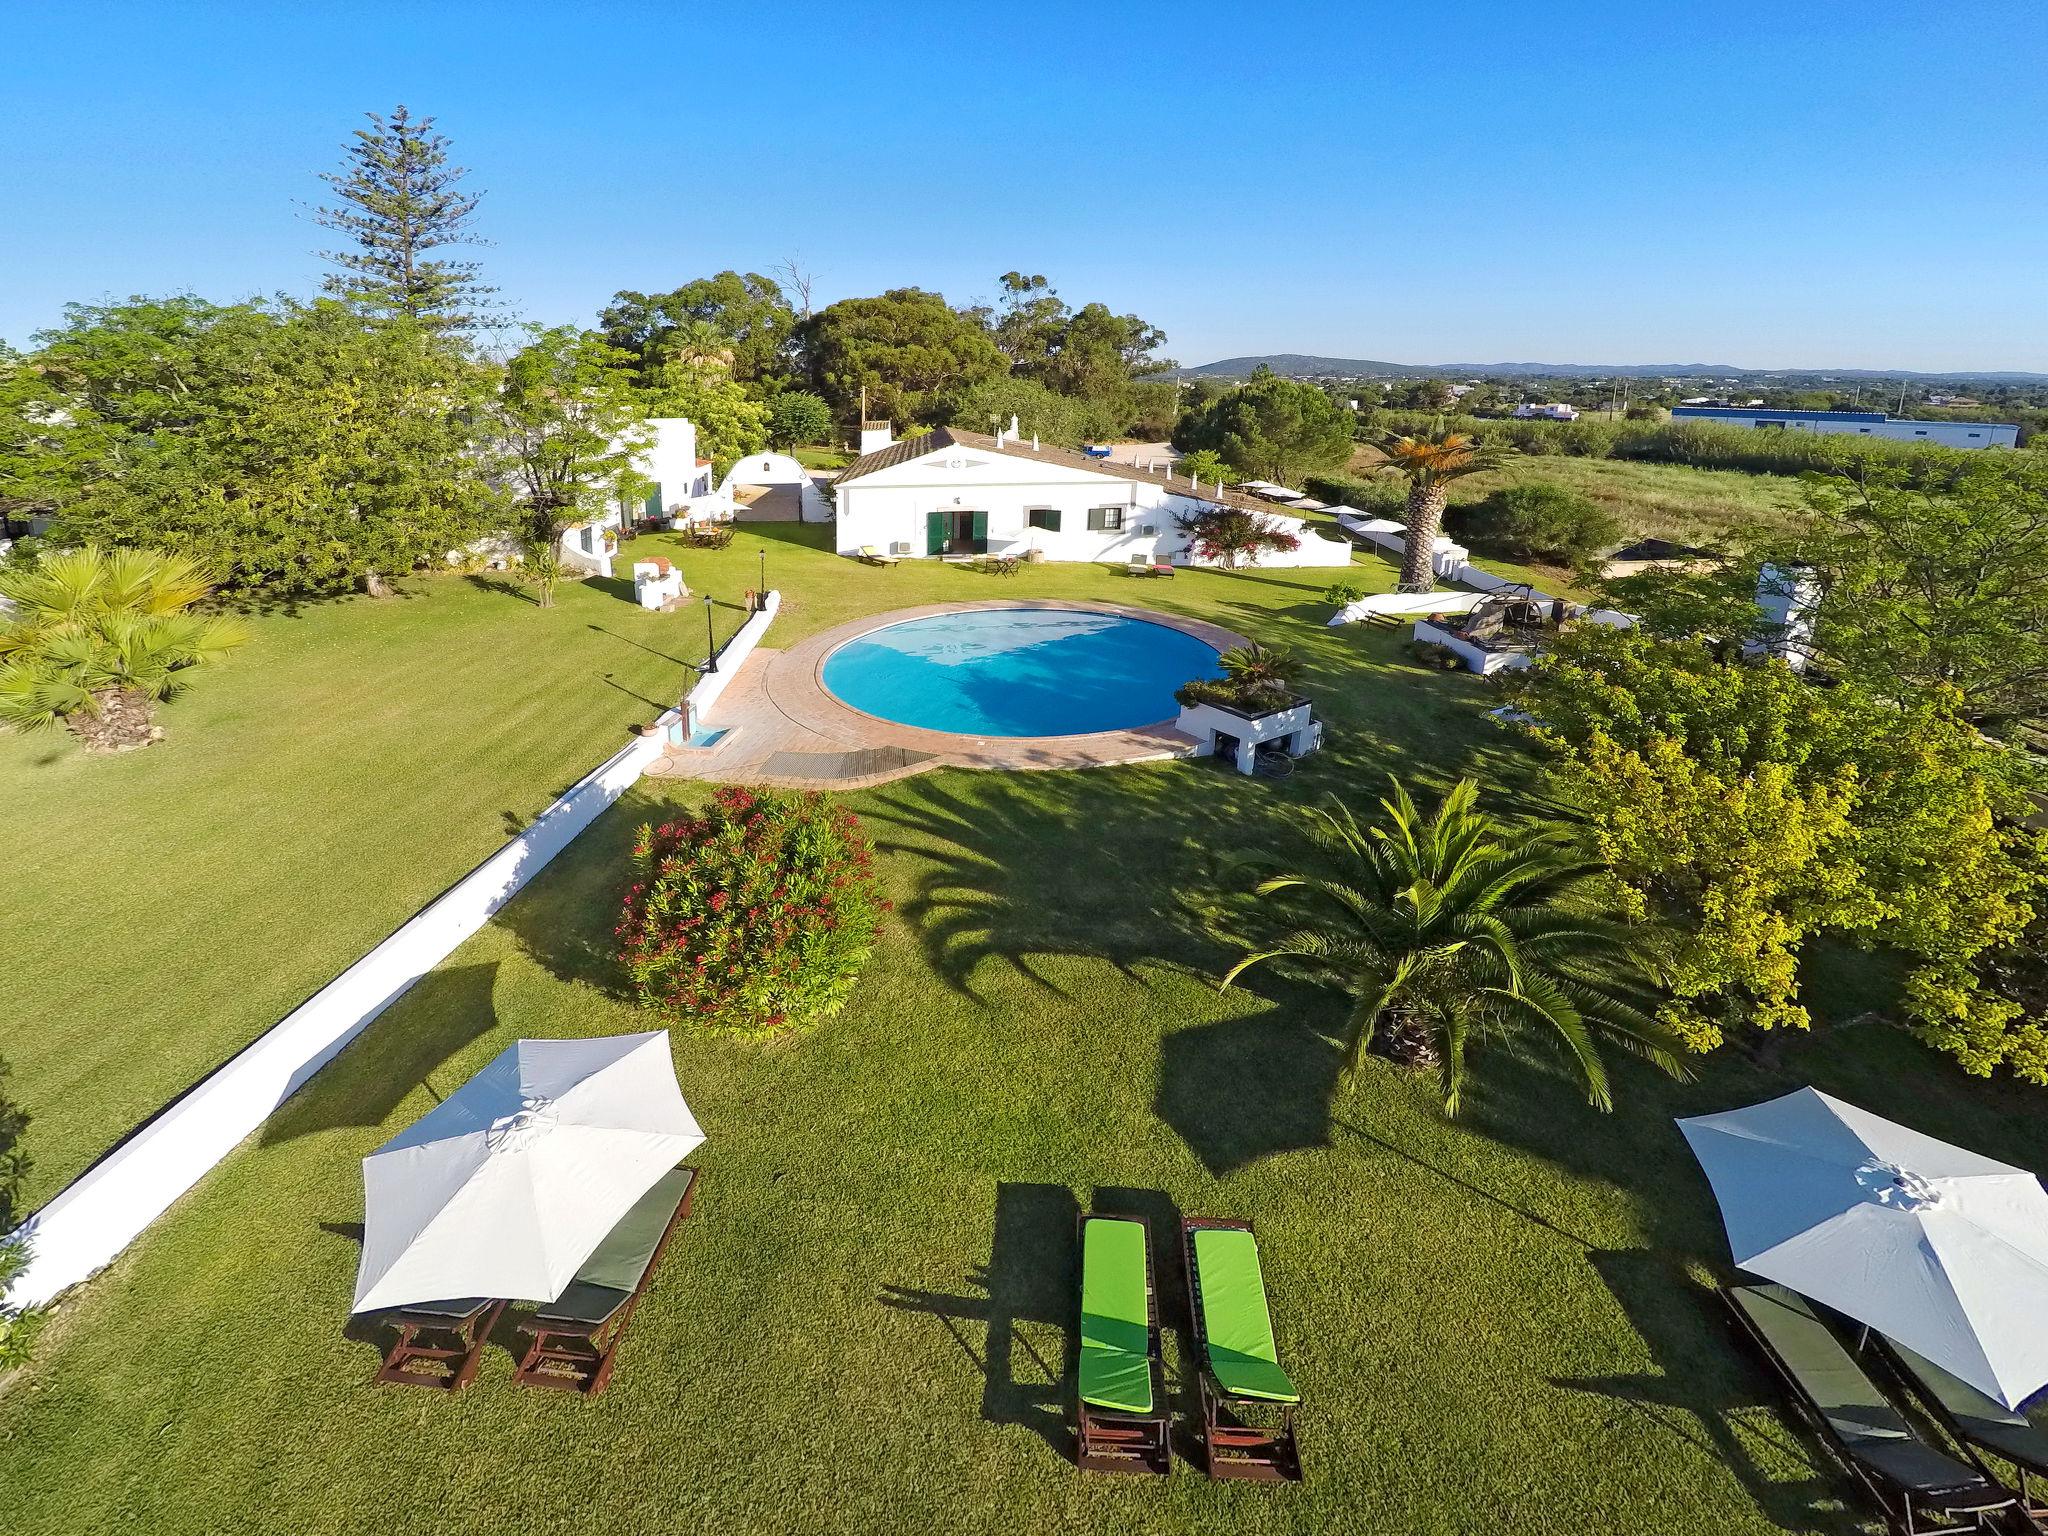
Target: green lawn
<point>868,1324</point>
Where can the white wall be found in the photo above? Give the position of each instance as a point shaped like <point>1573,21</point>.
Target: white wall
<point>671,461</point>
<point>1945,434</point>
<point>107,1207</point>
<point>779,469</point>
<point>738,649</point>
<point>891,508</point>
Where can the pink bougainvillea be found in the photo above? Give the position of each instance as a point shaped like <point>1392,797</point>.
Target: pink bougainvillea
<point>753,917</point>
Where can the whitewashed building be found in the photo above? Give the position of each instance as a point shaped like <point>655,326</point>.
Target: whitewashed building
<point>955,493</point>
<point>681,493</point>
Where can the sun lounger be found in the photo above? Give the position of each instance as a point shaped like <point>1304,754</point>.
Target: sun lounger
<point>576,1336</point>
<point>1980,1425</point>
<point>1248,1401</point>
<point>1145,565</point>
<point>1122,1381</point>
<point>869,555</point>
<point>439,1343</point>
<point>1908,1479</point>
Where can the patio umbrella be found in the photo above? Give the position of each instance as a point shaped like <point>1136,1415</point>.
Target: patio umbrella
<point>1942,1250</point>
<point>506,1187</point>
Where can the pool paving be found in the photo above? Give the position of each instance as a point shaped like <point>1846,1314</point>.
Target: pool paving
<point>784,728</point>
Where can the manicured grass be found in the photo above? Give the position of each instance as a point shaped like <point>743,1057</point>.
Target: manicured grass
<point>869,1323</point>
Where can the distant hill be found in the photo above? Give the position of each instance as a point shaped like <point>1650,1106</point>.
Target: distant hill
<point>1301,364</point>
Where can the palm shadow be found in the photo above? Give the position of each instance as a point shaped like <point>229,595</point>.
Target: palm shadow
<point>439,1018</point>
<point>1244,1089</point>
<point>1026,1294</point>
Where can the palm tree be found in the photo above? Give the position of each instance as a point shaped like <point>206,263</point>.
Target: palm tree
<point>98,639</point>
<point>1452,927</point>
<point>1429,461</point>
<point>1260,675</point>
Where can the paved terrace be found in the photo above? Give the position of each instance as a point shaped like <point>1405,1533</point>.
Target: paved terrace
<point>785,729</point>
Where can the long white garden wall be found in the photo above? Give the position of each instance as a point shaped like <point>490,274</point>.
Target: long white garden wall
<point>108,1206</point>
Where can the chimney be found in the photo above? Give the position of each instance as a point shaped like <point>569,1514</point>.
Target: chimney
<point>1034,442</point>
<point>1015,431</point>
<point>875,436</point>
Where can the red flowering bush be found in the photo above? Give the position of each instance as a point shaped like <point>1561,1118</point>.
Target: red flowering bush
<point>753,917</point>
<point>1230,534</point>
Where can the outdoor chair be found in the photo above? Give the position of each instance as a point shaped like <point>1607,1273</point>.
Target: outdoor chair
<point>439,1343</point>
<point>1909,1480</point>
<point>869,555</point>
<point>1001,565</point>
<point>1121,1390</point>
<point>1979,1424</point>
<point>1248,1401</point>
<point>576,1336</point>
<point>1145,565</point>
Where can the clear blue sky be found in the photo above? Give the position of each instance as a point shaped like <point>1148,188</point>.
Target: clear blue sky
<point>1767,185</point>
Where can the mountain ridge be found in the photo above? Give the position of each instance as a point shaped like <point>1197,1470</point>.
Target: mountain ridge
<point>1303,363</point>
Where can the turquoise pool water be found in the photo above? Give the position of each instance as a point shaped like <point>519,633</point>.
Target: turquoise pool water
<point>1019,672</point>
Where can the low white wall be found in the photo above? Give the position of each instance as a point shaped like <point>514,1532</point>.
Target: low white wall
<point>107,1207</point>
<point>700,698</point>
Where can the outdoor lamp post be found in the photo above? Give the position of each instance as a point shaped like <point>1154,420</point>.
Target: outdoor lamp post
<point>710,637</point>
<point>761,592</point>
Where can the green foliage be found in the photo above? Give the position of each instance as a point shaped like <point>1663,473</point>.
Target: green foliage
<point>1920,586</point>
<point>1230,534</point>
<point>1056,419</point>
<point>1342,594</point>
<point>1256,678</point>
<point>752,917</point>
<point>18,1325</point>
<point>94,634</point>
<point>740,319</point>
<point>291,450</point>
<point>1381,496</point>
<point>1274,428</point>
<point>1754,811</point>
<point>913,352</point>
<point>1541,522</point>
<point>541,565</point>
<point>566,421</point>
<point>1087,354</point>
<point>1207,464</point>
<point>398,199</point>
<point>1450,928</point>
<point>797,417</point>
<point>731,422</point>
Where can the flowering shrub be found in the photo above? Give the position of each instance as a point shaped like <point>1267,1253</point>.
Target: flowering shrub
<point>753,917</point>
<point>1229,534</point>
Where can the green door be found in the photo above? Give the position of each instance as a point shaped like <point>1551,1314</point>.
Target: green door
<point>654,503</point>
<point>935,533</point>
<point>980,533</point>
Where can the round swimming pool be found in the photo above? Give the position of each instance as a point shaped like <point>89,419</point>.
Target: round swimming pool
<point>1019,671</point>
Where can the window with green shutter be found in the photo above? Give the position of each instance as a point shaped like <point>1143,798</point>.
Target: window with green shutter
<point>1105,519</point>
<point>1047,518</point>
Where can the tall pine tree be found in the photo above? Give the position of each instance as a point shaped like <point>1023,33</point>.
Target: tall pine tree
<point>399,200</point>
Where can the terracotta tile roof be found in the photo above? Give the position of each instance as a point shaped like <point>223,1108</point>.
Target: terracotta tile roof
<point>952,437</point>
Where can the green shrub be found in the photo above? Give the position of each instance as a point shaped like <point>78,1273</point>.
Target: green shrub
<point>1380,496</point>
<point>1342,594</point>
<point>18,1325</point>
<point>753,917</point>
<point>1540,522</point>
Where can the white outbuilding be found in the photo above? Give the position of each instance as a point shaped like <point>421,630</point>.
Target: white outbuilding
<point>951,493</point>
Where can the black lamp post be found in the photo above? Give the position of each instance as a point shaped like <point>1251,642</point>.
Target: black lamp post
<point>710,637</point>
<point>762,590</point>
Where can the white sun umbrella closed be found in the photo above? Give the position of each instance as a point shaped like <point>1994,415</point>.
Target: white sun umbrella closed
<point>1941,1249</point>
<point>506,1187</point>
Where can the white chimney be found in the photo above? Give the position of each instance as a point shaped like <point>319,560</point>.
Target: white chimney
<point>1034,442</point>
<point>1015,430</point>
<point>875,436</point>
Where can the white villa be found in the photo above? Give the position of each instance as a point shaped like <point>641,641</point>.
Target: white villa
<point>951,493</point>
<point>682,493</point>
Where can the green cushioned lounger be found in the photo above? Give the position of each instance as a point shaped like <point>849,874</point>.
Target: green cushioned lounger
<point>1864,1426</point>
<point>1248,1401</point>
<point>1121,1382</point>
<point>1116,1316</point>
<point>1236,1322</point>
<point>1978,1422</point>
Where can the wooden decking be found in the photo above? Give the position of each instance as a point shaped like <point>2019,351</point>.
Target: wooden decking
<point>784,729</point>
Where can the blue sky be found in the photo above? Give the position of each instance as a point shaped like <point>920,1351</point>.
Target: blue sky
<point>1767,185</point>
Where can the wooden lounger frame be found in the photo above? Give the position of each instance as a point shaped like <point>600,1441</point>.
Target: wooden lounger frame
<point>1895,1501</point>
<point>578,1357</point>
<point>2032,1509</point>
<point>1231,1448</point>
<point>454,1343</point>
<point>1108,1440</point>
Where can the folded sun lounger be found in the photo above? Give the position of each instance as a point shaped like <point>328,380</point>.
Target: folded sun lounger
<point>1979,1424</point>
<point>1122,1381</point>
<point>869,555</point>
<point>576,1336</point>
<point>1248,1401</point>
<point>439,1343</point>
<point>1907,1478</point>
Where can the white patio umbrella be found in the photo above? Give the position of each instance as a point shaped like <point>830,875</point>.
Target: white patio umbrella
<point>507,1186</point>
<point>1941,1249</point>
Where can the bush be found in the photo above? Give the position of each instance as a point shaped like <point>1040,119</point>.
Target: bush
<point>1230,534</point>
<point>753,917</point>
<point>18,1325</point>
<point>1382,496</point>
<point>1540,522</point>
<point>1342,594</point>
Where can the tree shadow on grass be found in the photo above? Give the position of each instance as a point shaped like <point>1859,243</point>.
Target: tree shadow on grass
<point>443,1013</point>
<point>1702,1395</point>
<point>1243,1089</point>
<point>504,586</point>
<point>1027,1290</point>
